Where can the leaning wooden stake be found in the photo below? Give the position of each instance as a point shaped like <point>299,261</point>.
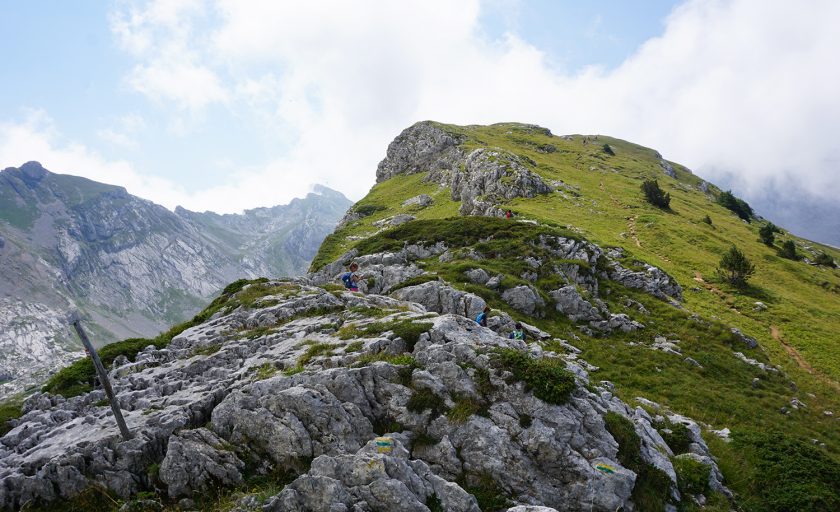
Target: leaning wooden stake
<point>103,378</point>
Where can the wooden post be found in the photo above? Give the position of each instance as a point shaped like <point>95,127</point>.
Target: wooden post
<point>103,378</point>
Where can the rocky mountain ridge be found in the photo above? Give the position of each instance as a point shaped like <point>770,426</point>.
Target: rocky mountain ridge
<point>300,380</point>
<point>130,266</point>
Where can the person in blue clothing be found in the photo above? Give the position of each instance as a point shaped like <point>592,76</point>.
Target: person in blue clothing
<point>481,319</point>
<point>351,279</point>
<point>518,333</point>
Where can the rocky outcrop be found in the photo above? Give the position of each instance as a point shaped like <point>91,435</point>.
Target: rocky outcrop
<point>567,300</point>
<point>524,299</point>
<point>274,387</point>
<point>392,481</point>
<point>197,461</point>
<point>422,201</point>
<point>492,176</point>
<point>441,298</point>
<point>651,280</point>
<point>424,146</point>
<point>480,180</point>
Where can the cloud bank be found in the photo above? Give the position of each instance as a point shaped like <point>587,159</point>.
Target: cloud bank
<point>744,92</point>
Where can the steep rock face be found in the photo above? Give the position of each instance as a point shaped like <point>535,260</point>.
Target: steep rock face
<point>479,180</point>
<point>421,147</point>
<point>130,266</point>
<point>272,386</point>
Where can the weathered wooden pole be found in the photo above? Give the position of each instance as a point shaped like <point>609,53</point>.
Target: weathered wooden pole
<point>103,378</point>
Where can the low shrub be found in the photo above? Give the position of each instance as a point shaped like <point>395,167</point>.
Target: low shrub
<point>424,399</point>
<point>788,250</point>
<point>735,268</point>
<point>692,476</point>
<point>825,260</point>
<point>546,377</point>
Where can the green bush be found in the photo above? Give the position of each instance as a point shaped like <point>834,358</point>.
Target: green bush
<point>824,260</point>
<point>546,377</point>
<point>788,250</point>
<point>676,436</point>
<point>735,268</point>
<point>464,408</point>
<point>735,205</point>
<point>424,399</point>
<point>655,195</point>
<point>692,476</point>
<point>767,233</point>
<point>489,495</point>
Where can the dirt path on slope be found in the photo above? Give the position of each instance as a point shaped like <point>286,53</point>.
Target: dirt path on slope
<point>631,227</point>
<point>714,289</point>
<point>793,353</point>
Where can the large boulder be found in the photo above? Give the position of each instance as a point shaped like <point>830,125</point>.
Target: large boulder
<point>197,461</point>
<point>524,299</point>
<point>567,300</point>
<point>442,298</point>
<point>367,480</point>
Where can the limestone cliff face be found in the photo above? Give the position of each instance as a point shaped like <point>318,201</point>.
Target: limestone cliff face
<point>131,266</point>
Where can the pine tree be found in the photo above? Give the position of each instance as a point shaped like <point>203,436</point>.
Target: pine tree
<point>767,234</point>
<point>788,250</point>
<point>735,268</point>
<point>655,195</point>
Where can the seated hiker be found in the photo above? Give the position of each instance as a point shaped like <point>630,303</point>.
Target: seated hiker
<point>354,282</point>
<point>518,333</point>
<point>347,277</point>
<point>481,319</point>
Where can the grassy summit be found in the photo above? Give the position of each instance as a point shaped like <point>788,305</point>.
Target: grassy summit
<point>790,306</point>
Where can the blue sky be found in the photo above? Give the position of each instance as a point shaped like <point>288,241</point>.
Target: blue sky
<point>227,105</point>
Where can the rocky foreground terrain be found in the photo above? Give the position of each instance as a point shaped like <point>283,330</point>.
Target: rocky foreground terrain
<point>297,378</point>
<point>131,267</point>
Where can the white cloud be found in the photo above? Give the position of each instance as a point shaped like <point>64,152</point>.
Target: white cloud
<point>123,130</point>
<point>741,89</point>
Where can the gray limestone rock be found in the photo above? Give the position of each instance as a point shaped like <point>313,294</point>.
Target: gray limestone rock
<point>567,300</point>
<point>396,220</point>
<point>197,461</point>
<point>525,299</point>
<point>750,342</point>
<point>477,275</point>
<point>492,176</point>
<point>422,200</point>
<point>320,420</point>
<point>441,298</point>
<point>425,146</point>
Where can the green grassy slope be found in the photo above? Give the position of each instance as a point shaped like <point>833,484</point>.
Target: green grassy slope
<point>602,201</point>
